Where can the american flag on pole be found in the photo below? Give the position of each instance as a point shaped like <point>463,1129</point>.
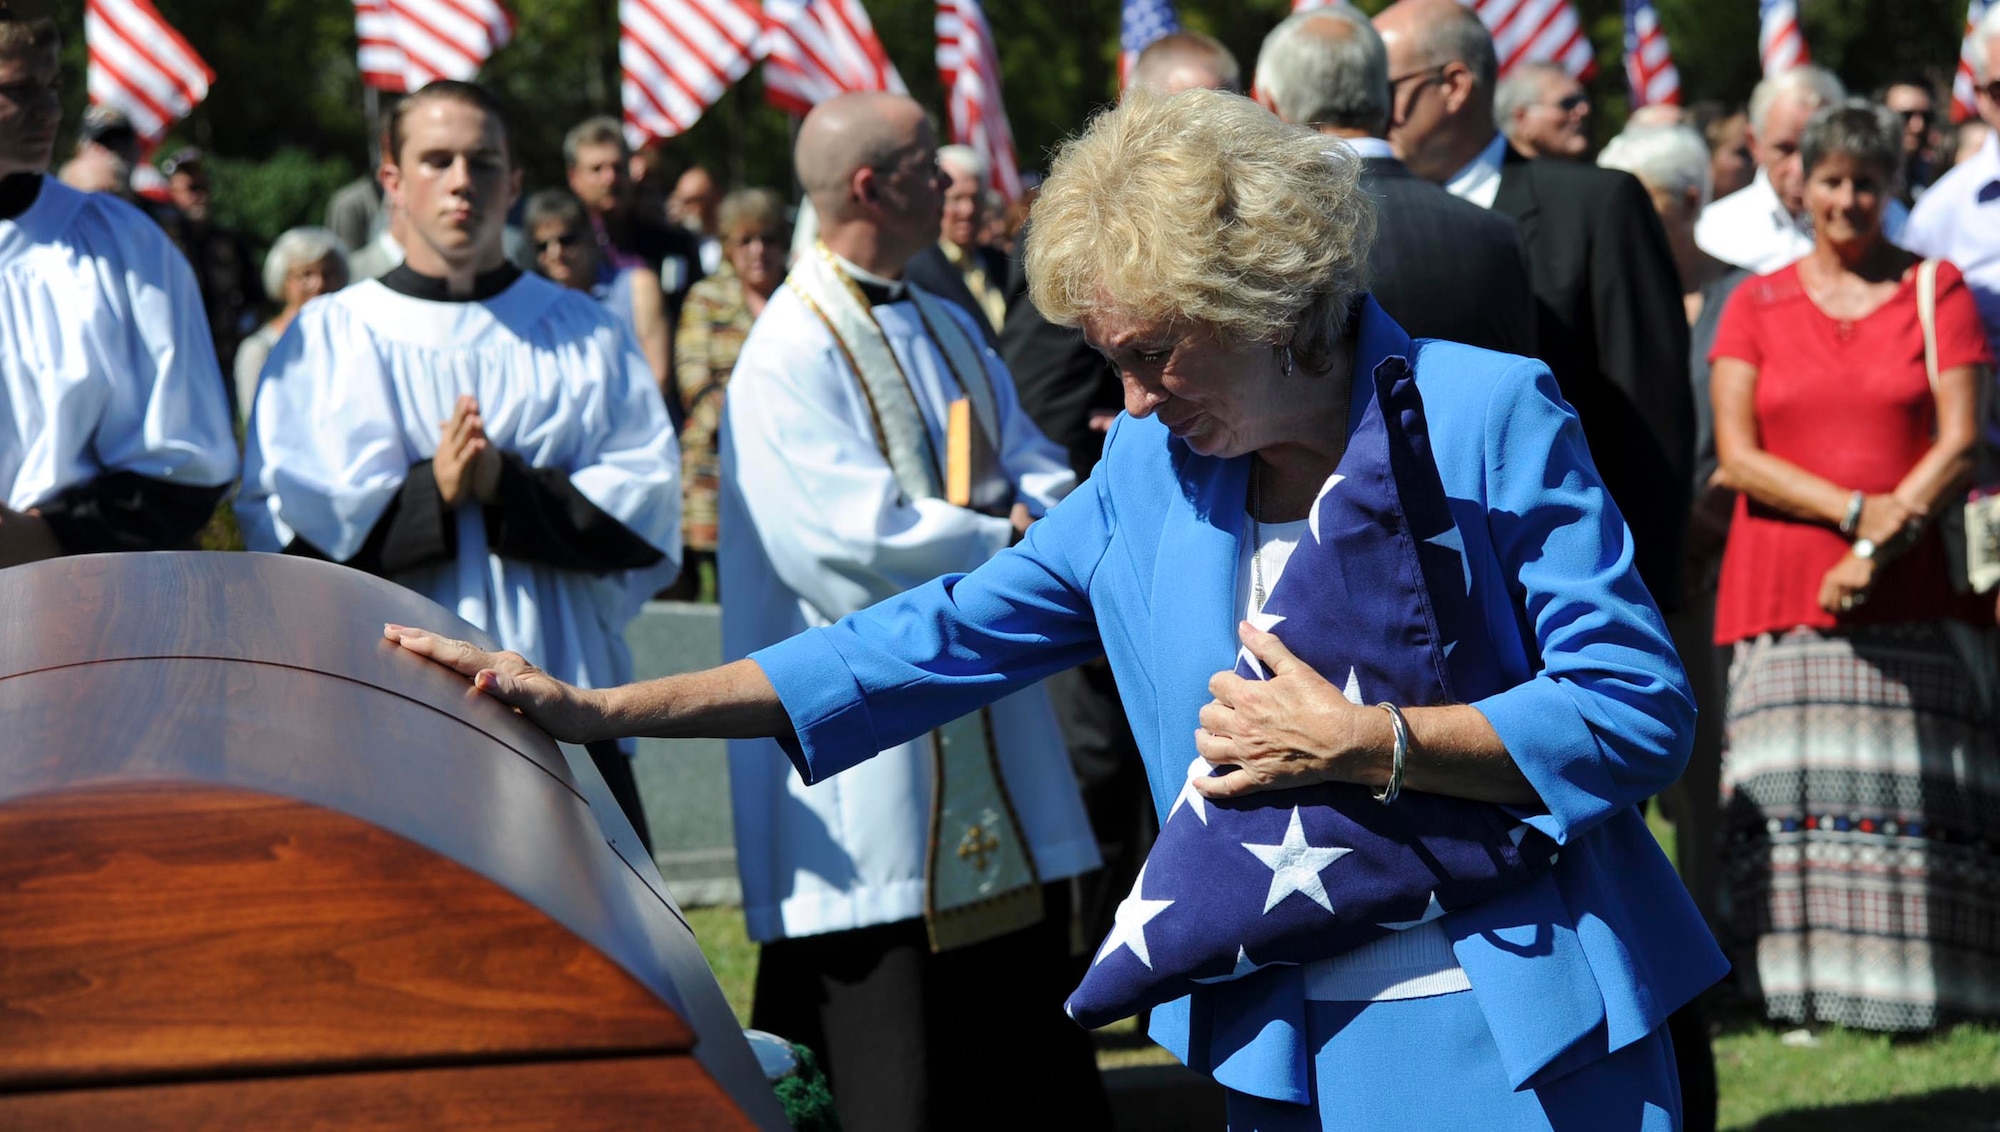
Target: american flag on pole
<point>819,48</point>
<point>970,67</point>
<point>141,67</point>
<point>1377,590</point>
<point>1140,22</point>
<point>1649,65</point>
<point>1964,99</point>
<point>679,57</point>
<point>1524,31</point>
<point>1780,43</point>
<point>404,44</point>
<point>1537,31</point>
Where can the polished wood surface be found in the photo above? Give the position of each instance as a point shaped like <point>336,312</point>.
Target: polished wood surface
<point>241,834</point>
<point>613,1095</point>
<point>158,931</point>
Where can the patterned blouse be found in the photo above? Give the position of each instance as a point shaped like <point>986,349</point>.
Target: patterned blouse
<point>714,322</point>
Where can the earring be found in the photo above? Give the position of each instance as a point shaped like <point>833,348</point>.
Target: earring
<point>1285,360</point>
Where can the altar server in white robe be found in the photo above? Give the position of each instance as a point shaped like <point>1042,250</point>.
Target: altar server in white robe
<point>835,445</point>
<point>476,433</point>
<point>114,424</point>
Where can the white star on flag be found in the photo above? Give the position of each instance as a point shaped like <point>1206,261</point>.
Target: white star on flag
<point>1431,912</point>
<point>1312,519</point>
<point>1128,924</point>
<point>1191,797</point>
<point>1269,623</point>
<point>1243,967</point>
<point>1295,866</point>
<point>1353,689</point>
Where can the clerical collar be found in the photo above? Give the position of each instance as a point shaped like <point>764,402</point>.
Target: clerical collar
<point>877,289</point>
<point>405,281</point>
<point>18,192</point>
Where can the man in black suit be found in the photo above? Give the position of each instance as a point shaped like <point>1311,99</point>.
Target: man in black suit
<point>958,268</point>
<point>1609,319</point>
<point>1610,322</point>
<point>1441,267</point>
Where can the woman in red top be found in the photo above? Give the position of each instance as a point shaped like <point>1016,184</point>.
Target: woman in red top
<point>1861,788</point>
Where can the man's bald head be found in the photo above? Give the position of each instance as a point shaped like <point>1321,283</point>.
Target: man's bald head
<point>1432,33</point>
<point>869,162</point>
<point>850,133</point>
<point>1186,60</point>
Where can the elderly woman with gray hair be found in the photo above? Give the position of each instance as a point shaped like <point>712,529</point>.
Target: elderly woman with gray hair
<point>302,265</point>
<point>1861,784</point>
<point>1216,257</point>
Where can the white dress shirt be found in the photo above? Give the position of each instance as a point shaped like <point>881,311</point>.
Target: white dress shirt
<point>1751,228</point>
<point>1479,181</point>
<point>1959,219</point>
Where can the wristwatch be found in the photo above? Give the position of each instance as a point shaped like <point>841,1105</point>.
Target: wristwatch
<point>1863,548</point>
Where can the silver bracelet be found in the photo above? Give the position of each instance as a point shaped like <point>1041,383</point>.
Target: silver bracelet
<point>1852,521</point>
<point>1401,727</point>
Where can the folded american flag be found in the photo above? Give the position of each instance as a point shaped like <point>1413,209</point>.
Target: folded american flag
<point>1376,599</point>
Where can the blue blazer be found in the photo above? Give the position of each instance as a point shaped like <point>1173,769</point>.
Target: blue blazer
<point>1140,563</point>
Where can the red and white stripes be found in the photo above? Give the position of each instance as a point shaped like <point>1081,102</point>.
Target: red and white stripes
<point>407,43</point>
<point>970,66</point>
<point>1649,65</point>
<point>1780,43</point>
<point>141,67</point>
<point>816,49</point>
<point>1964,99</point>
<point>1537,31</point>
<point>679,57</point>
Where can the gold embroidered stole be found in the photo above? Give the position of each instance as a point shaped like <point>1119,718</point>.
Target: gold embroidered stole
<point>979,874</point>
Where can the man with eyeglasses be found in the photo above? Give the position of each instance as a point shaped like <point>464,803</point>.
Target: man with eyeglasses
<point>1610,321</point>
<point>1543,111</point>
<point>1959,217</point>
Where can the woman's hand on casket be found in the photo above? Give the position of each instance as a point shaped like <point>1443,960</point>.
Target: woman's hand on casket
<point>568,713</point>
<point>1293,729</point>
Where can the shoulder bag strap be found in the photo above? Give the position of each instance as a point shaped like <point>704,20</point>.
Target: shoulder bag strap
<point>1927,316</point>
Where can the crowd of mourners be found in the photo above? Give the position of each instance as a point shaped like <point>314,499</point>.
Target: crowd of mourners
<point>1775,321</point>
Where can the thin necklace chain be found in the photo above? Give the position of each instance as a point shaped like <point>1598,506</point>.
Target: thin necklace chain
<point>1256,543</point>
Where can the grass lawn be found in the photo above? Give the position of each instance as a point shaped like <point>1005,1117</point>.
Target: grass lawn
<point>1849,1082</point>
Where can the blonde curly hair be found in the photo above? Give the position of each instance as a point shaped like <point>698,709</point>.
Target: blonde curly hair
<point>1203,208</point>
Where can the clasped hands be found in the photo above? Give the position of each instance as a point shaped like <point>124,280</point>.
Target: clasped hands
<point>466,466</point>
<point>1886,520</point>
<point>1294,729</point>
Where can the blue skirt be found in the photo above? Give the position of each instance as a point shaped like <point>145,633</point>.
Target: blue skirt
<point>1430,1065</point>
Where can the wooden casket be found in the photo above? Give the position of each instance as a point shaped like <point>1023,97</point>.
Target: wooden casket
<point>260,868</point>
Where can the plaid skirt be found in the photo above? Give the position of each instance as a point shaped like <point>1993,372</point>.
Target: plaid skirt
<point>1861,825</point>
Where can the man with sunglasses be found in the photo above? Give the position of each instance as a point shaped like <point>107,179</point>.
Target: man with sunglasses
<point>1911,99</point>
<point>1959,217</point>
<point>1544,111</point>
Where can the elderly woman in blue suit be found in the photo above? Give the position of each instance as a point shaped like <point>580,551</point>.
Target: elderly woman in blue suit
<point>1216,258</point>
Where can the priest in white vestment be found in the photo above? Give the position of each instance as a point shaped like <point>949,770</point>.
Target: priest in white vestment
<point>834,445</point>
<point>471,431</point>
<point>114,423</point>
